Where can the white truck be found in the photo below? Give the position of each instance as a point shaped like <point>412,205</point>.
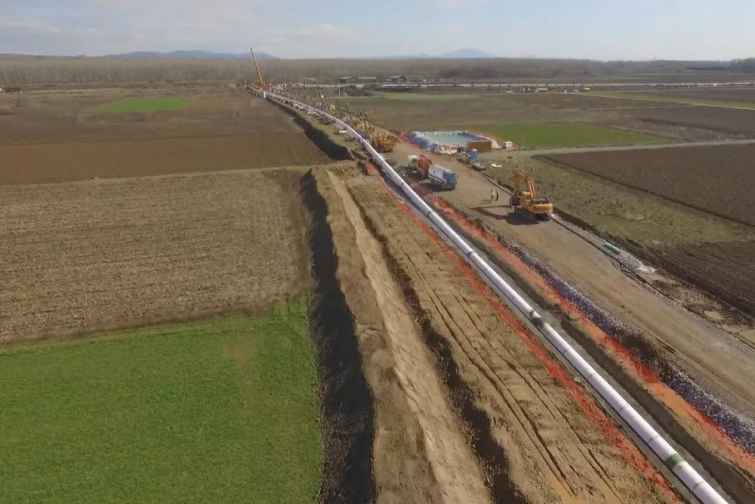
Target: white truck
<point>442,177</point>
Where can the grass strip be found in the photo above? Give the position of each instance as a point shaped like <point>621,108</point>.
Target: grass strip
<point>223,410</point>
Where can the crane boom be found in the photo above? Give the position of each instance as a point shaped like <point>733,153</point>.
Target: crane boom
<point>260,80</point>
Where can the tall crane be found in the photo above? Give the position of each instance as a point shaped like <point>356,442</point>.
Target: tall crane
<point>260,81</point>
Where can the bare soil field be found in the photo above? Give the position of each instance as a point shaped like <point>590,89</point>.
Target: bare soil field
<point>709,93</point>
<point>729,122</point>
<point>716,179</point>
<point>726,269</point>
<point>443,343</point>
<point>476,109</point>
<point>80,114</point>
<point>35,164</point>
<point>472,108</point>
<point>86,256</point>
<point>62,135</point>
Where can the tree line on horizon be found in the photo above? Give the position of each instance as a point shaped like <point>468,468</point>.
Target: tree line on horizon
<point>37,70</point>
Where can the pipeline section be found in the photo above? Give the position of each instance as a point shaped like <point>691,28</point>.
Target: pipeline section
<point>687,474</point>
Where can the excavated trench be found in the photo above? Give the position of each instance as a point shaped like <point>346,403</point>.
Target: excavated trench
<point>346,402</point>
<point>320,138</point>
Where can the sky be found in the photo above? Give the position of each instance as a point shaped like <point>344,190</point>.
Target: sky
<point>595,29</point>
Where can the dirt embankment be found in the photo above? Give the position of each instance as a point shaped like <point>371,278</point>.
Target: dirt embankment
<point>535,433</point>
<point>419,451</point>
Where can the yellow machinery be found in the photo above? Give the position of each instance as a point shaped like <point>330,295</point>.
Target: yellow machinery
<point>525,197</point>
<point>383,142</point>
<point>260,81</point>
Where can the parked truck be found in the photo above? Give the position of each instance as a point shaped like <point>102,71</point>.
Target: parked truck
<point>442,177</point>
<point>423,168</point>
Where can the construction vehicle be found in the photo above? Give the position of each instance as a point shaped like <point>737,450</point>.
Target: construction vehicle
<point>419,166</point>
<point>442,177</point>
<point>383,142</point>
<point>525,198</point>
<point>422,167</point>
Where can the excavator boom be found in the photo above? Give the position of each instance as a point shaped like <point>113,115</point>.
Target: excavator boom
<point>527,200</point>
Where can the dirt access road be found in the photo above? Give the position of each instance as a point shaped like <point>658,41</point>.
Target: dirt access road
<point>706,351</point>
<point>469,407</point>
<point>721,363</point>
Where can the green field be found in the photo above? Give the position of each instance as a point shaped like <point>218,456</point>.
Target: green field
<point>217,411</point>
<point>136,105</point>
<point>546,135</point>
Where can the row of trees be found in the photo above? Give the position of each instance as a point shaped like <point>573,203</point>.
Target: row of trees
<point>40,71</point>
<point>27,71</point>
<point>745,65</point>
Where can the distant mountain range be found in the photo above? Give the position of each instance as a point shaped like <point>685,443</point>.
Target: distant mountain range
<point>188,55</point>
<point>458,54</point>
<point>467,53</point>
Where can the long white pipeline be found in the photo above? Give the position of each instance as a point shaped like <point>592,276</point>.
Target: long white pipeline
<point>655,441</point>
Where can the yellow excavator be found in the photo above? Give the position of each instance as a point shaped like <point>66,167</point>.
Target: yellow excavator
<point>383,142</point>
<point>525,198</point>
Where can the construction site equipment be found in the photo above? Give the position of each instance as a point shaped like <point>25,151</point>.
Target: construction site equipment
<point>420,166</point>
<point>383,142</point>
<point>525,197</point>
<point>480,145</point>
<point>442,177</point>
<point>260,81</point>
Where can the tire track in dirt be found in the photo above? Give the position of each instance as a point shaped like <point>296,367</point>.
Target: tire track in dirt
<point>553,452</point>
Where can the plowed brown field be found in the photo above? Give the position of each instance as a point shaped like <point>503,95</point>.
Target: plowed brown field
<point>58,136</point>
<point>728,121</point>
<point>726,269</point>
<point>84,256</point>
<point>715,179</point>
<point>34,164</point>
